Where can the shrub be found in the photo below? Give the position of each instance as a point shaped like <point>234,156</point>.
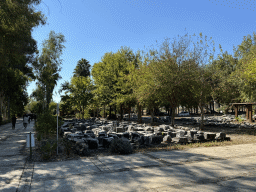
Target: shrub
<point>239,119</point>
<point>120,146</point>
<point>39,137</point>
<point>48,150</point>
<point>46,123</point>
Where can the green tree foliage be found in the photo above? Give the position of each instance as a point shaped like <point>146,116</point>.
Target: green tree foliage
<point>65,105</point>
<point>174,75</point>
<point>144,85</point>
<point>48,64</point>
<point>31,106</point>
<point>245,71</point>
<point>82,68</point>
<point>78,93</point>
<point>224,87</point>
<point>17,46</point>
<point>109,76</point>
<point>46,124</point>
<point>81,92</point>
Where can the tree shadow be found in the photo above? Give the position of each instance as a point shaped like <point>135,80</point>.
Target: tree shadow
<point>142,172</point>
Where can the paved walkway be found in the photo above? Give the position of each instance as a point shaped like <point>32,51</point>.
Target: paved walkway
<point>230,168</point>
<point>12,161</point>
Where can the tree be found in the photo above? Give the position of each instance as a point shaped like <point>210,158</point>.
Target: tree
<point>16,43</point>
<point>109,76</point>
<point>65,105</point>
<point>174,74</point>
<point>80,89</point>
<point>203,56</point>
<point>144,85</point>
<point>78,92</point>
<point>82,68</point>
<point>48,64</point>
<point>245,72</point>
<point>81,92</point>
<point>224,88</point>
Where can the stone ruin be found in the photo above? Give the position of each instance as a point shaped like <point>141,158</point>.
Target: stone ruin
<point>96,133</point>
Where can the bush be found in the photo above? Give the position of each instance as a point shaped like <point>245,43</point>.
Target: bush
<point>120,146</point>
<point>5,122</point>
<point>239,119</point>
<point>46,124</point>
<point>48,150</point>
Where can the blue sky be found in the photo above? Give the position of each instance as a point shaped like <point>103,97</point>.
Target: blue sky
<point>95,27</point>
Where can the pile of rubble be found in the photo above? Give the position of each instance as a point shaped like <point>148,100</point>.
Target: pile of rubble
<point>95,133</point>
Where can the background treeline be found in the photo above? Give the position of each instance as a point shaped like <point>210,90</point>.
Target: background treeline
<point>183,71</point>
<point>179,72</point>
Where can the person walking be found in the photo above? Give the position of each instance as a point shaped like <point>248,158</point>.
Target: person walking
<point>25,121</point>
<point>13,121</point>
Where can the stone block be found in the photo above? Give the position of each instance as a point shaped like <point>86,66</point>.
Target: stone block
<point>159,133</point>
<point>167,139</point>
<point>107,141</point>
<point>160,129</point>
<point>180,133</point>
<point>113,135</point>
<point>220,136</point>
<point>209,136</point>
<point>191,133</point>
<point>92,143</point>
<point>172,134</point>
<point>227,139</point>
<point>73,130</point>
<point>180,139</point>
<point>119,129</point>
<point>119,135</point>
<point>157,140</point>
<point>199,137</point>
<point>126,135</point>
<point>147,139</point>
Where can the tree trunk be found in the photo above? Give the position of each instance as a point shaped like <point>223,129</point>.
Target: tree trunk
<point>0,110</point>
<point>202,117</point>
<point>152,116</point>
<point>139,113</point>
<point>109,111</point>
<point>93,112</point>
<point>173,116</point>
<point>213,108</point>
<point>9,116</point>
<point>104,112</point>
<point>121,111</point>
<point>129,113</point>
<point>115,111</point>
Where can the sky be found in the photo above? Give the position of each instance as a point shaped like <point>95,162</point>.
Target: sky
<point>95,27</point>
